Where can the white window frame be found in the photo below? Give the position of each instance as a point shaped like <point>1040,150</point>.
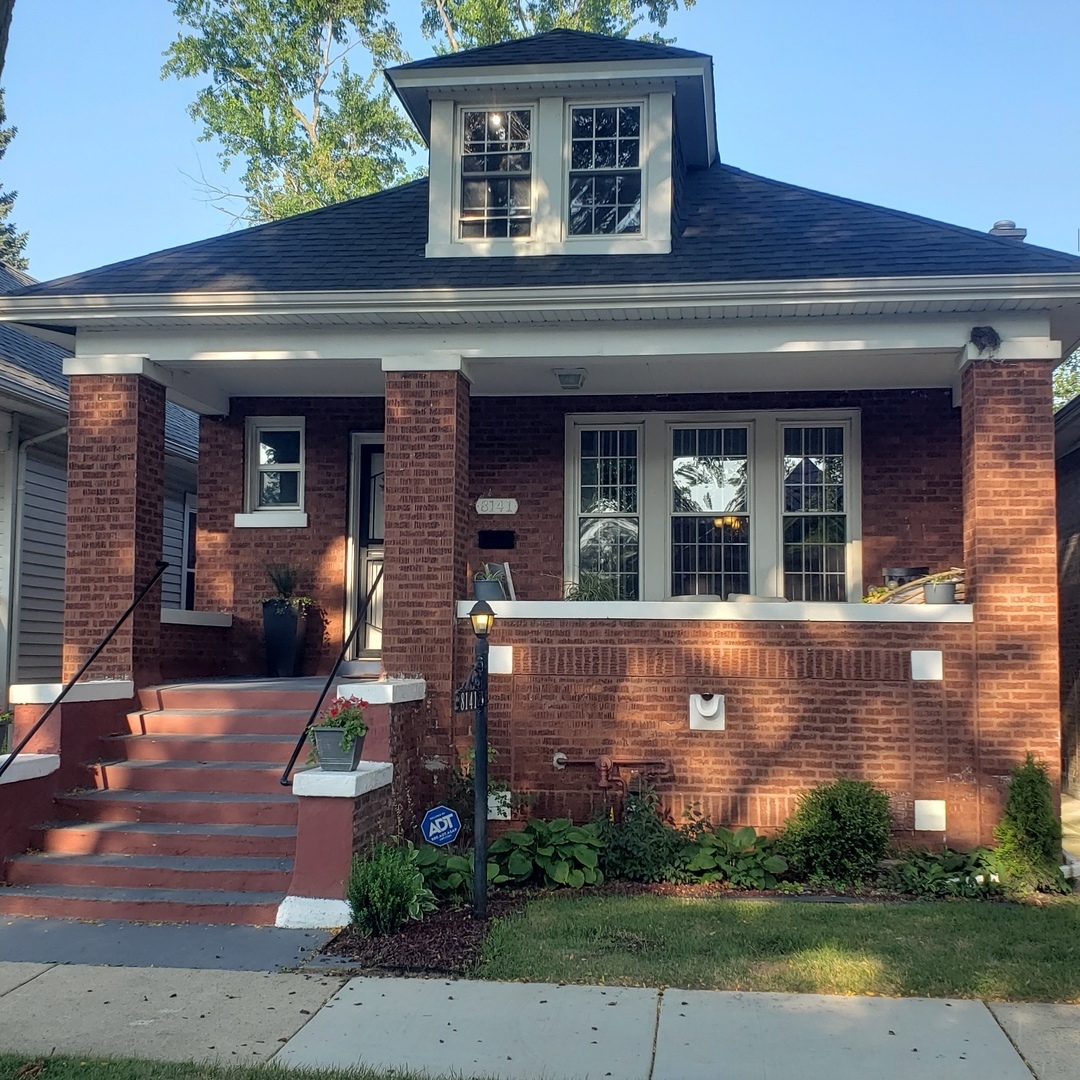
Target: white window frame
<point>765,448</point>
<point>256,516</point>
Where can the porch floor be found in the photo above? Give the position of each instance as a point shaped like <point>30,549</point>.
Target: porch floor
<point>1070,825</point>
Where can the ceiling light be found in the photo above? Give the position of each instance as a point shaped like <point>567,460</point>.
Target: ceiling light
<point>571,378</point>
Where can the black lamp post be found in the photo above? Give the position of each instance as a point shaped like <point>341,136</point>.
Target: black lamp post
<point>482,618</point>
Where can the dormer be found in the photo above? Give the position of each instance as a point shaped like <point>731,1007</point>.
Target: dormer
<point>561,144</point>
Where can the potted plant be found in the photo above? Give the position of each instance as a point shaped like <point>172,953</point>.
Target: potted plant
<point>940,588</point>
<point>489,582</point>
<point>284,623</point>
<point>591,586</point>
<point>337,736</point>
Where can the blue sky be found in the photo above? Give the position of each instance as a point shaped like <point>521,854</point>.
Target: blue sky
<point>962,110</point>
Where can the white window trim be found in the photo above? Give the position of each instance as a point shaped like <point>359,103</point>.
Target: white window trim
<point>288,513</point>
<point>550,180</point>
<point>766,470</point>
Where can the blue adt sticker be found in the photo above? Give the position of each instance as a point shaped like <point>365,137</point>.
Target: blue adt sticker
<point>440,826</point>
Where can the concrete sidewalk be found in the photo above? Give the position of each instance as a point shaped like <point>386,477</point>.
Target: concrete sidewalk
<point>523,1031</point>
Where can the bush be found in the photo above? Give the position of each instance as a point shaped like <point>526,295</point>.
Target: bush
<point>1028,854</point>
<point>839,832</point>
<point>741,858</point>
<point>447,874</point>
<point>550,853</point>
<point>644,846</point>
<point>937,874</point>
<point>386,889</point>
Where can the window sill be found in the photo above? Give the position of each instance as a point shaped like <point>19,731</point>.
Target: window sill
<point>186,617</point>
<point>725,610</point>
<point>591,245</point>
<point>271,519</point>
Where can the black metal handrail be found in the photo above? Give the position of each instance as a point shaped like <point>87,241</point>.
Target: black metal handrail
<point>161,568</point>
<point>361,621</point>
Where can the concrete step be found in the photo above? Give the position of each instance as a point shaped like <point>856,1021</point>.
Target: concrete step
<point>269,748</point>
<point>234,694</point>
<point>148,905</point>
<point>155,838</point>
<point>181,807</point>
<point>152,871</point>
<point>251,777</point>
<point>219,722</point>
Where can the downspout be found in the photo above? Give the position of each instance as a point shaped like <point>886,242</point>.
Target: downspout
<point>17,514</point>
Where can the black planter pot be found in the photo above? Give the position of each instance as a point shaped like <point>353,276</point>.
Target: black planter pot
<point>488,589</point>
<point>283,631</point>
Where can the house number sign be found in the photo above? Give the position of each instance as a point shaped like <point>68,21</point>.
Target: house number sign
<point>496,506</point>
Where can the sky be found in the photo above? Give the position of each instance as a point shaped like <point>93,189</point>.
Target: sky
<point>962,110</point>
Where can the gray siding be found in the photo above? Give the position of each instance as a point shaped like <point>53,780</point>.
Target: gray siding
<point>172,549</point>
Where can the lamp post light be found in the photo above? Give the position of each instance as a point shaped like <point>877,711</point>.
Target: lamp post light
<point>482,619</point>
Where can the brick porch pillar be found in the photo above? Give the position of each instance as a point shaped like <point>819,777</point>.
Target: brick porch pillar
<point>116,486</point>
<point>1010,555</point>
<point>425,573</point>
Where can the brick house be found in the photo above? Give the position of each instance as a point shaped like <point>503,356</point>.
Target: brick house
<point>585,346</point>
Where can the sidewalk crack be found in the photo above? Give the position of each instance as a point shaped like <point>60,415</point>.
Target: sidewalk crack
<point>26,982</point>
<point>656,1035</point>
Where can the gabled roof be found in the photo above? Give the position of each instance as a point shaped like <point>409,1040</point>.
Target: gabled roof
<point>552,47</point>
<point>733,227</point>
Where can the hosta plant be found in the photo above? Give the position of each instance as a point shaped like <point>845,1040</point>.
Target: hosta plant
<point>740,858</point>
<point>550,853</point>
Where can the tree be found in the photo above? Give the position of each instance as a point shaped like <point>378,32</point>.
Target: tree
<point>12,242</point>
<point>284,98</point>
<point>1067,380</point>
<point>465,24</point>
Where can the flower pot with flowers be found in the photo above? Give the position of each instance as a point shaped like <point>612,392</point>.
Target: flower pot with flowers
<point>284,623</point>
<point>337,736</point>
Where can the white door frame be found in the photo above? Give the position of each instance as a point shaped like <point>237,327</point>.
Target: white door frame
<point>355,553</point>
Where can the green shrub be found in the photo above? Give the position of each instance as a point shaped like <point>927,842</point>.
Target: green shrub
<point>386,889</point>
<point>741,858</point>
<point>1028,854</point>
<point>448,874</point>
<point>550,853</point>
<point>838,833</point>
<point>936,874</point>
<point>643,846</point>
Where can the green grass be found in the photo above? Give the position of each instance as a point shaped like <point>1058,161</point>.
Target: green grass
<point>1005,952</point>
<point>20,1067</point>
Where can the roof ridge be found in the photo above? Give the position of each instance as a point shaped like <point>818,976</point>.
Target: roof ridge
<point>1008,243</point>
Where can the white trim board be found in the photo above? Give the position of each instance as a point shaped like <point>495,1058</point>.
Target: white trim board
<point>94,690</point>
<point>29,767</point>
<point>183,617</point>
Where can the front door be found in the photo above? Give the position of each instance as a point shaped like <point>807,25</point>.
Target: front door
<point>366,544</point>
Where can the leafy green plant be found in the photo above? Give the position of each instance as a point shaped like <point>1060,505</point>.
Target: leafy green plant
<point>838,833</point>
<point>284,578</point>
<point>386,889</point>
<point>591,585</point>
<point>1029,834</point>
<point>491,571</point>
<point>740,857</point>
<point>448,874</point>
<point>550,853</point>
<point>936,874</point>
<point>644,845</point>
<point>461,791</point>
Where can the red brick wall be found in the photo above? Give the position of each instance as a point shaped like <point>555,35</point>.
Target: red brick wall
<point>912,488</point>
<point>116,478</point>
<point>194,652</point>
<point>375,819</point>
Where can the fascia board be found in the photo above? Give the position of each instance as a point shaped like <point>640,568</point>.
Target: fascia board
<point>81,310</point>
<point>556,74</point>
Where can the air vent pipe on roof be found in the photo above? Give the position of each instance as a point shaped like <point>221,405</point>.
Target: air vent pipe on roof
<point>1008,229</point>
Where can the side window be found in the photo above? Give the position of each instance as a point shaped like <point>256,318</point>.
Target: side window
<point>275,463</point>
<point>496,174</point>
<point>605,170</point>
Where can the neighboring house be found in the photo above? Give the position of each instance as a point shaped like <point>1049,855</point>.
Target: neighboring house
<point>586,347</point>
<point>33,500</point>
<point>1067,425</point>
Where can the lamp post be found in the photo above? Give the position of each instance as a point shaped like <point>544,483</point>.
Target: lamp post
<point>482,619</point>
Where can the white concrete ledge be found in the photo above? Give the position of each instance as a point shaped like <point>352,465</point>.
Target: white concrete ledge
<point>29,767</point>
<point>271,519</point>
<point>311,913</point>
<point>369,776</point>
<point>180,617</point>
<point>93,690</point>
<point>725,611</point>
<point>382,691</point>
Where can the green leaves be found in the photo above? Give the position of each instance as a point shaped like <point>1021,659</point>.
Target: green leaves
<point>549,852</point>
<point>741,858</point>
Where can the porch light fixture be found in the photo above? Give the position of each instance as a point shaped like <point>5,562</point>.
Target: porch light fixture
<point>571,378</point>
<point>482,618</point>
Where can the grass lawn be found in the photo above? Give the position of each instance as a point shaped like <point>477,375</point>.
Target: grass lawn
<point>20,1067</point>
<point>997,951</point>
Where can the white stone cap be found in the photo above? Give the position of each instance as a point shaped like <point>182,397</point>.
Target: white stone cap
<point>91,690</point>
<point>29,767</point>
<point>368,776</point>
<point>382,691</point>
<point>312,913</point>
<point>182,617</point>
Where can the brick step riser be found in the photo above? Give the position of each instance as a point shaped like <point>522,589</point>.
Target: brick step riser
<point>146,748</point>
<point>136,911</point>
<point>182,698</point>
<point>41,872</point>
<point>75,841</point>
<point>164,778</point>
<point>179,813</point>
<point>220,723</point>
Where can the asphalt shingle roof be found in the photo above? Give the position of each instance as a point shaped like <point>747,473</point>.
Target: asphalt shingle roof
<point>552,47</point>
<point>734,226</point>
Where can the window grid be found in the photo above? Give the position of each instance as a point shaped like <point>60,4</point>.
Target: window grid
<point>608,525</point>
<point>605,170</point>
<point>496,174</point>
<point>277,477</point>
<point>815,518</point>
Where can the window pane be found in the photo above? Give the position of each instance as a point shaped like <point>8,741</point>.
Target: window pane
<point>605,181</point>
<point>710,471</point>
<point>609,547</point>
<point>497,145</point>
<point>815,558</point>
<point>813,480</point>
<point>279,488</point>
<point>279,447</point>
<point>710,555</point>
<point>609,472</point>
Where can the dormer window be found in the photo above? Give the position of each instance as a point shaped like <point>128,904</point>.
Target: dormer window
<point>605,170</point>
<point>496,174</point>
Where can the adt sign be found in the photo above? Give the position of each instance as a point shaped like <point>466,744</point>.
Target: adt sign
<point>440,826</point>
